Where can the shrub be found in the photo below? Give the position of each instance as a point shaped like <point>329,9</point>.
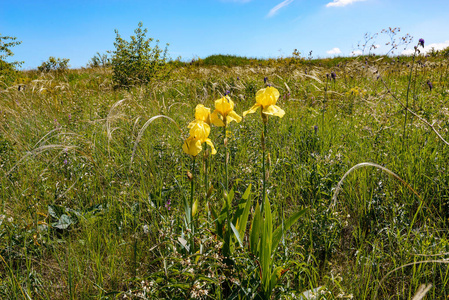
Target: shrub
<point>99,60</point>
<point>54,64</point>
<point>8,69</point>
<point>135,62</point>
<point>445,52</point>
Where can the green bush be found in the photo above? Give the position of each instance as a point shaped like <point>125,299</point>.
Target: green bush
<point>8,69</point>
<point>135,62</point>
<point>99,60</point>
<point>54,64</point>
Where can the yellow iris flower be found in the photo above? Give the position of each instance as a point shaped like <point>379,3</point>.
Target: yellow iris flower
<point>202,113</point>
<point>199,129</point>
<point>199,132</point>
<point>224,112</point>
<point>266,99</point>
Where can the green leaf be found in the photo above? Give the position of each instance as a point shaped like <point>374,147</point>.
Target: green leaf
<point>243,218</point>
<point>55,211</point>
<point>230,196</point>
<point>265,246</point>
<point>237,235</point>
<point>184,243</point>
<point>255,231</point>
<point>218,226</point>
<point>275,276</point>
<point>281,229</point>
<point>64,222</point>
<point>247,192</point>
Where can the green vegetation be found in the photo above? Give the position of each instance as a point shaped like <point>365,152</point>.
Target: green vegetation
<point>99,60</point>
<point>96,194</point>
<point>54,64</point>
<point>8,69</point>
<point>135,62</point>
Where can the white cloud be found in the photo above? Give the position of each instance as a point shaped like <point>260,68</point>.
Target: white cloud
<point>338,3</point>
<point>334,51</point>
<point>357,52</point>
<point>427,48</point>
<point>275,9</point>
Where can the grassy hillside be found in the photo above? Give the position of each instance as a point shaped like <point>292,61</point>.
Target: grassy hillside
<point>95,191</point>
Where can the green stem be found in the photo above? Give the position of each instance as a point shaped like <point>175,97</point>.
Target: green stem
<point>225,141</point>
<point>264,175</point>
<point>192,188</point>
<point>406,99</point>
<point>324,102</point>
<point>206,174</point>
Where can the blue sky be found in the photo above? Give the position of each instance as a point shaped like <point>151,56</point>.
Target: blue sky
<point>198,28</point>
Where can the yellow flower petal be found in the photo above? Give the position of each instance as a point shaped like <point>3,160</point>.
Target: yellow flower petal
<point>199,129</point>
<point>224,105</point>
<point>252,109</point>
<point>209,142</point>
<point>192,146</point>
<point>274,110</point>
<point>233,116</point>
<point>202,113</point>
<point>267,96</point>
<point>215,118</point>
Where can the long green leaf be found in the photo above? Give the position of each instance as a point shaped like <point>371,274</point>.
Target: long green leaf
<point>265,253</point>
<point>275,276</point>
<point>255,231</point>
<point>218,224</point>
<point>243,219</point>
<point>277,235</point>
<point>241,207</point>
<point>237,235</point>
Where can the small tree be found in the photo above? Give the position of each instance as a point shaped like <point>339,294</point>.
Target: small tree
<point>99,60</point>
<point>54,64</point>
<point>8,69</point>
<point>135,62</point>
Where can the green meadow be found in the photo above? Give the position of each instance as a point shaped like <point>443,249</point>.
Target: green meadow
<point>98,199</point>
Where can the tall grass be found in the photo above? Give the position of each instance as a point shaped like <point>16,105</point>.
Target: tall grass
<point>92,182</point>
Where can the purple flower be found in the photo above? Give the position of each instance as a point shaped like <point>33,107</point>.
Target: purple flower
<point>265,79</point>
<point>333,75</point>
<point>65,161</point>
<point>421,42</point>
<point>227,92</point>
<point>168,204</point>
<point>429,83</point>
<point>238,78</point>
<point>315,128</point>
